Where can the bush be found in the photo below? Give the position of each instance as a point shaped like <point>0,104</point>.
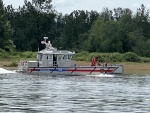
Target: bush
<point>5,55</point>
<point>116,57</point>
<point>82,56</point>
<point>108,57</point>
<point>131,57</point>
<point>101,57</point>
<point>29,54</point>
<point>2,51</point>
<point>23,55</point>
<point>12,64</point>
<point>143,59</point>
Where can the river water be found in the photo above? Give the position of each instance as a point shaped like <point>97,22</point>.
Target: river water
<point>74,94</point>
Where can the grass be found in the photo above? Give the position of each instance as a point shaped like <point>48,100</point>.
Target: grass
<point>136,68</point>
<point>129,67</point>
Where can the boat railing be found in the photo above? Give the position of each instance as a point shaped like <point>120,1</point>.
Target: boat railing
<point>108,65</point>
<point>22,65</point>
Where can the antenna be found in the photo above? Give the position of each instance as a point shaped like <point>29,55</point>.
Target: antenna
<point>45,38</point>
<point>38,48</point>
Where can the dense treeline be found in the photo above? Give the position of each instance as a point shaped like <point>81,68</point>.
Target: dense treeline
<point>109,31</point>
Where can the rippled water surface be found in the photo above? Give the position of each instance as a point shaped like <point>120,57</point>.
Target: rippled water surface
<point>74,94</point>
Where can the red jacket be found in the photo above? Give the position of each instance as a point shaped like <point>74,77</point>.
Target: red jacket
<point>93,62</point>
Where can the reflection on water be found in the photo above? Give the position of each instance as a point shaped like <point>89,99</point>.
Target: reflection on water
<point>80,94</point>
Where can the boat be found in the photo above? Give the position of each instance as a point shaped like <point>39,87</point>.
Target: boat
<point>51,61</point>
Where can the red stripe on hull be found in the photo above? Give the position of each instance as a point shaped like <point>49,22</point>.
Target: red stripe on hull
<point>76,70</point>
<point>90,70</point>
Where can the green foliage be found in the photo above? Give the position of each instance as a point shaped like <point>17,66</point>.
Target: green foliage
<point>17,55</point>
<point>25,55</point>
<point>82,56</point>
<point>75,25</point>
<point>110,57</point>
<point>2,51</point>
<point>4,54</point>
<point>144,59</point>
<point>31,23</point>
<point>11,64</point>
<point>29,54</point>
<point>131,57</point>
<point>100,57</point>
<point>110,31</point>
<point>116,57</point>
<point>5,31</point>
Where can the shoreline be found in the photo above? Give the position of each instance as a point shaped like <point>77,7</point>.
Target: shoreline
<point>129,67</point>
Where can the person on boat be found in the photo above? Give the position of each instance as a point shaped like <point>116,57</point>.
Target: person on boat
<point>99,64</point>
<point>54,60</point>
<point>105,64</point>
<point>93,62</point>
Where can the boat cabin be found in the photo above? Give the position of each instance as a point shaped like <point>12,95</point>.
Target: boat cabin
<point>50,56</point>
<point>55,58</point>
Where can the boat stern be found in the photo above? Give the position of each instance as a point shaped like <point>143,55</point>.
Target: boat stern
<point>23,65</point>
<point>119,69</point>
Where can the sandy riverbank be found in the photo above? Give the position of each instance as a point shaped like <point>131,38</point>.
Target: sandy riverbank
<point>129,67</point>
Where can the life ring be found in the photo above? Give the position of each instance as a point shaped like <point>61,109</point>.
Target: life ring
<point>102,70</point>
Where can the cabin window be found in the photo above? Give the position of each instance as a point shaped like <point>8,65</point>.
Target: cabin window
<point>39,57</point>
<point>65,57</point>
<point>59,56</point>
<point>49,56</point>
<point>45,56</point>
<point>70,57</point>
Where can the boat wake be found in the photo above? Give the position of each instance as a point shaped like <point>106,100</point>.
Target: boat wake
<point>4,71</point>
<point>102,75</point>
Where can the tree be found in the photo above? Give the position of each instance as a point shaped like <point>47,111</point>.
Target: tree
<point>76,24</point>
<point>106,14</point>
<point>31,23</point>
<point>142,21</point>
<point>5,31</point>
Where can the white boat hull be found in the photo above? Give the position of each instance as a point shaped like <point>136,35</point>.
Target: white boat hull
<point>77,70</point>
